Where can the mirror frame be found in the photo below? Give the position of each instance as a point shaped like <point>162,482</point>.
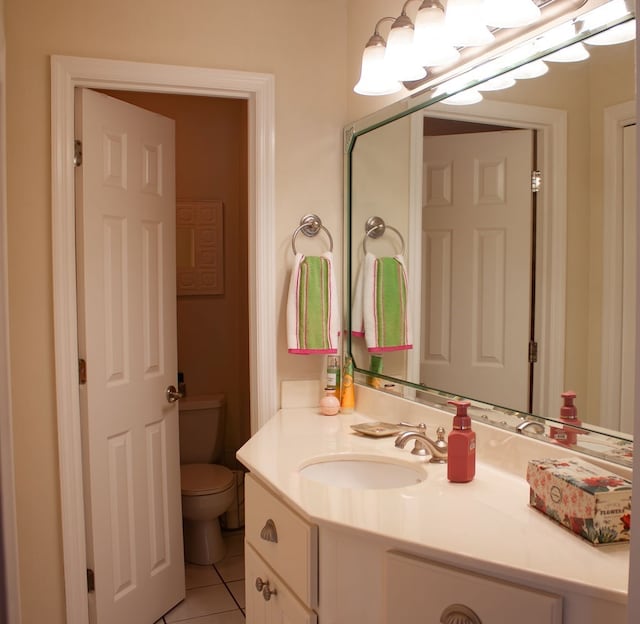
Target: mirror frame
<point>463,74</point>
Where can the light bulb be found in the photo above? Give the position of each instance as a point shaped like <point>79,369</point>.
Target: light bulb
<point>374,77</point>
<point>604,14</point>
<point>399,58</point>
<point>465,23</point>
<point>431,43</point>
<point>510,13</point>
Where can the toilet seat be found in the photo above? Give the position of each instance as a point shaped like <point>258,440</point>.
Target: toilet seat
<point>204,479</point>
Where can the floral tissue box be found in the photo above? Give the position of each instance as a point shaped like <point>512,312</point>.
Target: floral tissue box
<point>589,500</point>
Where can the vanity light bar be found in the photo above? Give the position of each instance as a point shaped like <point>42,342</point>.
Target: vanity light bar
<point>539,46</point>
<point>432,43</point>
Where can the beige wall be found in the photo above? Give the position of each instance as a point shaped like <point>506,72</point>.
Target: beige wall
<point>301,42</point>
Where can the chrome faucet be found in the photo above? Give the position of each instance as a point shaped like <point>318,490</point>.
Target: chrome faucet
<point>424,445</point>
<point>534,425</point>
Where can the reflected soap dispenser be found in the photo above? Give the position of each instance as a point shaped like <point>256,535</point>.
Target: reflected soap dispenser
<point>461,463</point>
<point>568,415</point>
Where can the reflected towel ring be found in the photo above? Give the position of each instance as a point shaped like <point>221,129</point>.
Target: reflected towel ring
<point>375,227</point>
<point>310,225</point>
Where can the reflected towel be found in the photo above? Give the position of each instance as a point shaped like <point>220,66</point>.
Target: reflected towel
<point>357,310</point>
<point>312,306</point>
<point>384,297</point>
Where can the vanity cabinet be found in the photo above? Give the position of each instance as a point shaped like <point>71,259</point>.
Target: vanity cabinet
<point>281,559</point>
<point>378,580</point>
<point>417,587</point>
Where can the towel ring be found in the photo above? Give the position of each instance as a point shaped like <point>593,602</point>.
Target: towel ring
<point>375,227</point>
<point>310,225</point>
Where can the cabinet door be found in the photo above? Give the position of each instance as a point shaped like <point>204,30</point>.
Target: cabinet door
<point>417,590</point>
<point>282,607</point>
<point>283,539</point>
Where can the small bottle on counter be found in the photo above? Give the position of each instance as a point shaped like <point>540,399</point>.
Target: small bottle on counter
<point>329,403</point>
<point>347,401</point>
<point>333,375</point>
<point>461,463</point>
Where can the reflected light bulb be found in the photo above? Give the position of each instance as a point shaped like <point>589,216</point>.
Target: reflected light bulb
<point>498,83</point>
<point>464,98</point>
<point>571,54</point>
<point>618,34</point>
<point>533,69</point>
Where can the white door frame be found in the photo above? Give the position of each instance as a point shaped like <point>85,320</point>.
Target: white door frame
<point>10,575</point>
<point>67,73</point>
<point>551,125</point>
<point>611,401</point>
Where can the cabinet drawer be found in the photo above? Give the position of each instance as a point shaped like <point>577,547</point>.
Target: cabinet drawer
<point>418,590</point>
<point>281,605</point>
<point>283,539</point>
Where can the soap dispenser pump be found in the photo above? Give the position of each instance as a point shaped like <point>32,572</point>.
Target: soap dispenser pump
<point>461,463</point>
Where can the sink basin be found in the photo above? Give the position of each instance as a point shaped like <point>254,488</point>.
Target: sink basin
<point>358,472</point>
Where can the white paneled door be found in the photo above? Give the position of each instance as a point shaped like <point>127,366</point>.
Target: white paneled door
<point>125,236</point>
<point>476,272</point>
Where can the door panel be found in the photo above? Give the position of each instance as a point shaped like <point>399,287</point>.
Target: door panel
<point>127,334</point>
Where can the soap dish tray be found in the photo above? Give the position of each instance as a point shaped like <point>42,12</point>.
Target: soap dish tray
<point>376,429</point>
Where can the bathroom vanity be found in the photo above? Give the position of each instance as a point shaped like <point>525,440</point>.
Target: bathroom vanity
<point>352,544</point>
<point>356,553</point>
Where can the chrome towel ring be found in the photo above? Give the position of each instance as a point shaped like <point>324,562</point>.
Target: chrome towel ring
<point>310,225</point>
<point>375,227</point>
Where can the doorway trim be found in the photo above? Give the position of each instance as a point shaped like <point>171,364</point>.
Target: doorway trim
<point>9,567</point>
<point>551,125</point>
<point>613,399</point>
<point>258,89</point>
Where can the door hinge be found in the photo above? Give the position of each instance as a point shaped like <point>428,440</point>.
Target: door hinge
<point>82,371</point>
<point>536,181</point>
<point>533,352</point>
<point>91,580</point>
<point>77,153</point>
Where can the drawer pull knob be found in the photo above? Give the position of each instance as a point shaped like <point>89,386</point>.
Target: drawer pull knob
<point>263,586</point>
<point>459,614</point>
<point>269,532</point>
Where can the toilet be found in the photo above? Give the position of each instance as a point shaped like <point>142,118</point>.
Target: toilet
<point>207,487</point>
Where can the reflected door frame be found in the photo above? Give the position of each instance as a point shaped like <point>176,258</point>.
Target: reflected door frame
<point>616,398</point>
<point>551,127</point>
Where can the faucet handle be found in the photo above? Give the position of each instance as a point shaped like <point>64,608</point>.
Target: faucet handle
<point>420,426</point>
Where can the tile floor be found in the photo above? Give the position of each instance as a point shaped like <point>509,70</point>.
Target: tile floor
<point>215,593</point>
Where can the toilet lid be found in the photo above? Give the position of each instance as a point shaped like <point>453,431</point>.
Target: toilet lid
<point>202,479</point>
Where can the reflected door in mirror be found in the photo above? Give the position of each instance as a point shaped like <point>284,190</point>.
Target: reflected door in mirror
<point>477,250</point>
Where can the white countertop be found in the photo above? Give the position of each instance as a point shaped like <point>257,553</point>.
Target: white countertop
<point>485,525</point>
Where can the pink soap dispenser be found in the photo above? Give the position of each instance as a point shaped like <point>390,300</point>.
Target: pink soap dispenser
<point>461,463</point>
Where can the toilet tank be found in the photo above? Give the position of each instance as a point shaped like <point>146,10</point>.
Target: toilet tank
<point>201,428</point>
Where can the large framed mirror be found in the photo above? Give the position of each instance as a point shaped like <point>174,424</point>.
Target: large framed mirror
<point>514,218</point>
